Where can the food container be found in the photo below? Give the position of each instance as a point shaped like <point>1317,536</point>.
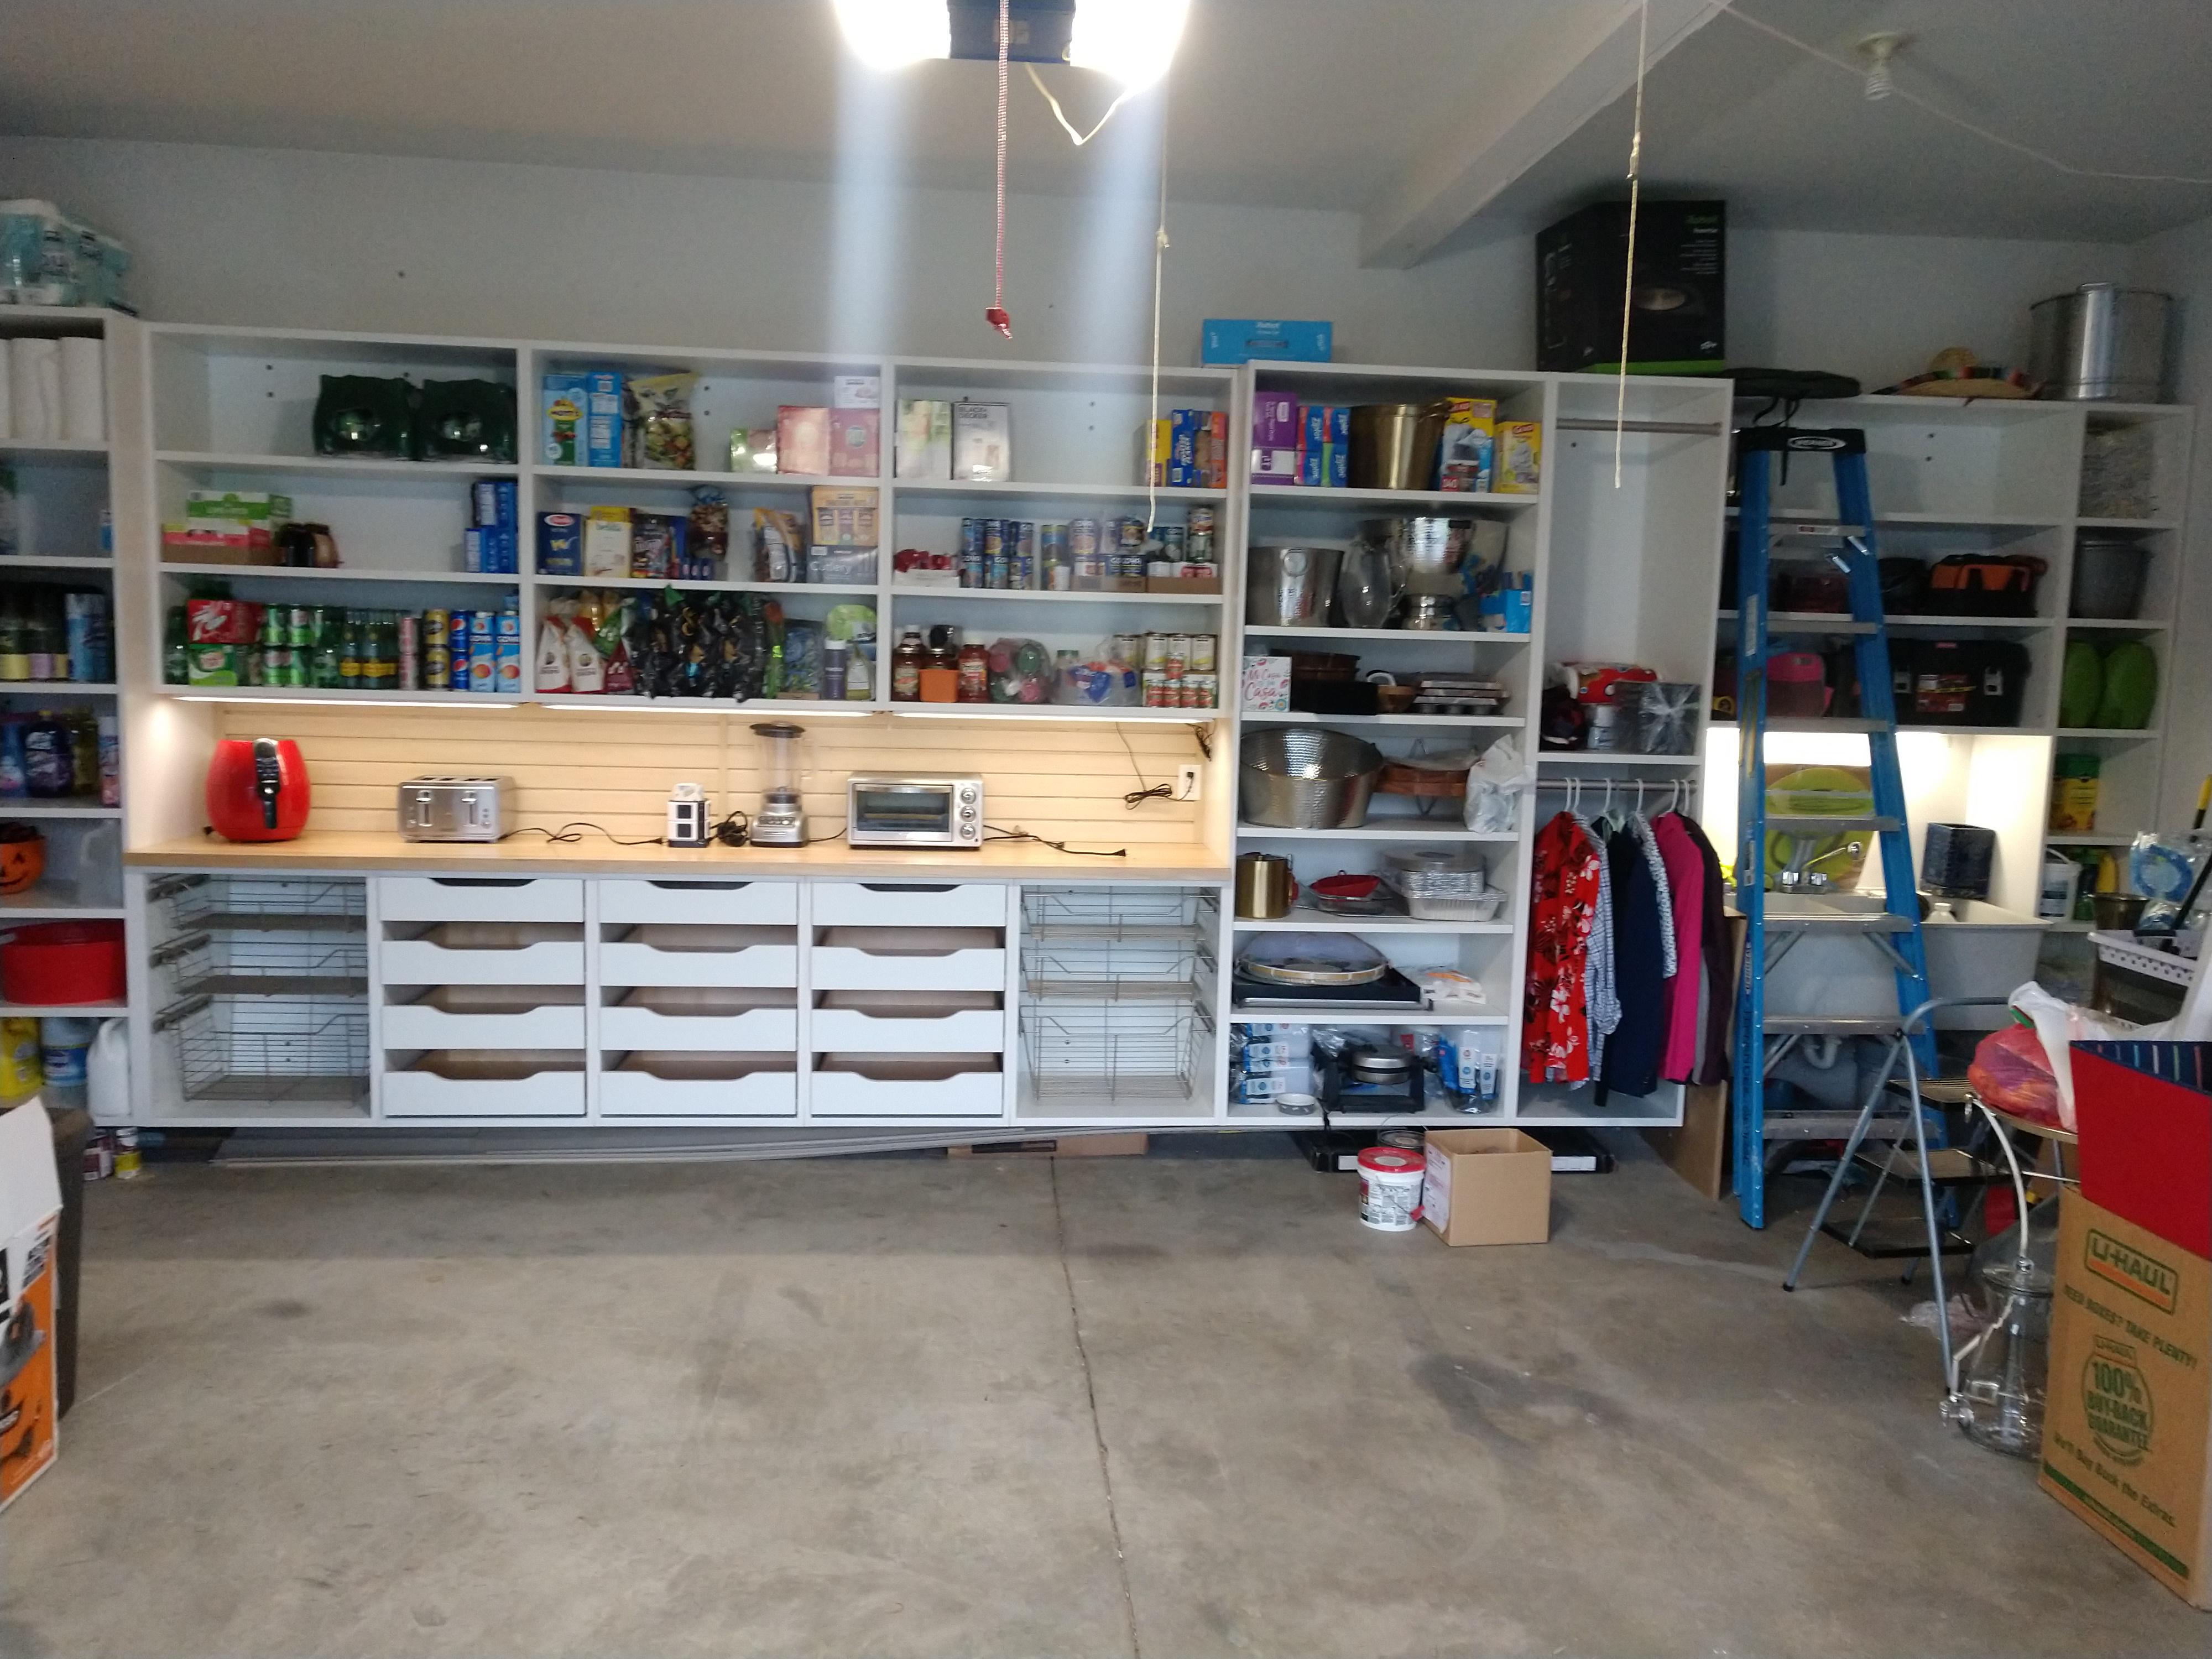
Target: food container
<point>51,963</point>
<point>1307,778</point>
<point>2108,577</point>
<point>1291,587</point>
<point>2102,342</point>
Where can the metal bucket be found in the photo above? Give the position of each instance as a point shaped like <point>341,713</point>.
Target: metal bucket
<point>1306,778</point>
<point>1290,586</point>
<point>2108,577</point>
<point>2102,342</point>
<point>1394,446</point>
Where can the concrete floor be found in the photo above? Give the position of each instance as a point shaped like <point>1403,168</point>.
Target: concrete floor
<point>1169,1406</point>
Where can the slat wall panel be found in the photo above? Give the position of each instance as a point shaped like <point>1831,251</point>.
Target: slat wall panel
<point>1063,781</point>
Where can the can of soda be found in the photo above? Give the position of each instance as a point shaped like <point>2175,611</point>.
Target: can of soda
<point>1022,567</point>
<point>299,628</point>
<point>411,654</point>
<point>437,651</point>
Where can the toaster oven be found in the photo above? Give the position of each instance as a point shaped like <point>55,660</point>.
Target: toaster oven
<point>456,809</point>
<point>892,812</point>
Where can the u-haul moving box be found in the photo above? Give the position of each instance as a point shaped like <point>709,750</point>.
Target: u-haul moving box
<point>30,1214</point>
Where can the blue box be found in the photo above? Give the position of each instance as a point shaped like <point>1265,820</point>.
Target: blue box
<point>603,418</point>
<point>560,544</point>
<point>472,549</point>
<point>1324,444</point>
<point>564,401</point>
<point>492,502</point>
<point>1182,447</point>
<point>1261,340</point>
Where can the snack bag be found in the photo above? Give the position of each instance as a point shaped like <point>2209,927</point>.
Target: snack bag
<point>657,427</point>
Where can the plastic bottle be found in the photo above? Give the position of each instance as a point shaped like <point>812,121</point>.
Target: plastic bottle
<point>21,1073</point>
<point>62,1045</point>
<point>176,649</point>
<point>107,1073</point>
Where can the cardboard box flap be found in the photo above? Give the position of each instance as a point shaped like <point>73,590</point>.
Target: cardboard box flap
<point>29,1191</point>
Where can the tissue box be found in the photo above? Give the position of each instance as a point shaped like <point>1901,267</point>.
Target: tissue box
<point>1231,340</point>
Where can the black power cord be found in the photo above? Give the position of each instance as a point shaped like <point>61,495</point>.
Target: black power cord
<point>573,831</point>
<point>999,834</point>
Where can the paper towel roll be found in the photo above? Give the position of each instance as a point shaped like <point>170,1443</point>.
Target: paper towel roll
<point>35,388</point>
<point>84,390</point>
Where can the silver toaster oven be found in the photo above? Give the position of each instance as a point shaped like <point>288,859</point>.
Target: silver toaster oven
<point>896,812</point>
<point>456,809</point>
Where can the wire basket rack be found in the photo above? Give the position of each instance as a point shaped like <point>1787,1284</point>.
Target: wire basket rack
<point>267,982</point>
<point>1119,982</point>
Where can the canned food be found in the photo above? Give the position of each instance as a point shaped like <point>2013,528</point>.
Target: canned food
<point>1156,653</point>
<point>1129,649</point>
<point>1201,658</point>
<point>300,630</point>
<point>1208,691</point>
<point>1178,654</point>
<point>410,655</point>
<point>971,553</point>
<point>1022,567</point>
<point>1156,690</point>
<point>1171,543</point>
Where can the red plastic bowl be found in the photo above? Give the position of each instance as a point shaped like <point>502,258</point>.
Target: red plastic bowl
<point>62,963</point>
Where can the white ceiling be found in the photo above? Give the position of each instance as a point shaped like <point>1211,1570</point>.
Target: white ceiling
<point>1392,108</point>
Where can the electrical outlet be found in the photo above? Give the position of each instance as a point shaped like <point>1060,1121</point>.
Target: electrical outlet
<point>1187,782</point>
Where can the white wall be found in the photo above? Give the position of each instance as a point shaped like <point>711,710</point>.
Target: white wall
<point>347,241</point>
<point>2180,262</point>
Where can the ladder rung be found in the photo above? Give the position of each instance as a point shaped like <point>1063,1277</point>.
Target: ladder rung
<point>1833,1025</point>
<point>1816,622</point>
<point>1793,822</point>
<point>1811,529</point>
<point>1833,1126</point>
<point>1827,724</point>
<point>1865,921</point>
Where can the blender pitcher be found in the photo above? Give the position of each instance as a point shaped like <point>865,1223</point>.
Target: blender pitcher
<point>779,822</point>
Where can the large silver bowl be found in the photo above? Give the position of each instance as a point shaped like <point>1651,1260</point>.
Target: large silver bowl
<point>1307,778</point>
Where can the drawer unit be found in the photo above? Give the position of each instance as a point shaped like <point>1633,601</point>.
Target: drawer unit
<point>908,959</point>
<point>734,1085</point>
<point>505,1085</point>
<point>423,962</point>
<point>909,1022</point>
<point>761,1029</point>
<point>910,904</point>
<point>622,900</point>
<point>479,898</point>
<point>422,1025</point>
<point>886,1086</point>
<point>627,963</point>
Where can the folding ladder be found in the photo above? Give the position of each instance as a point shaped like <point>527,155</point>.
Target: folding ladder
<point>1764,1037</point>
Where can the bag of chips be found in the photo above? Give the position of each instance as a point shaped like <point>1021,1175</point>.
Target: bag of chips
<point>658,427</point>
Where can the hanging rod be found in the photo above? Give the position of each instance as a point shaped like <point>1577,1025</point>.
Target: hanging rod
<point>1615,780</point>
<point>1685,429</point>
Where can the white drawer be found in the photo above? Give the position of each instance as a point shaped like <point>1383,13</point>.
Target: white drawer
<point>842,1093</point>
<point>623,900</point>
<point>642,964</point>
<point>969,1031</point>
<point>640,1094</point>
<point>425,1094</point>
<point>418,962</point>
<point>841,968</point>
<point>762,1028</point>
<point>909,904</point>
<point>477,898</point>
<point>415,1025</point>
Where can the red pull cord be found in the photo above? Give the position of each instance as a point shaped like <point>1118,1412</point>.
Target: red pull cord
<point>996,315</point>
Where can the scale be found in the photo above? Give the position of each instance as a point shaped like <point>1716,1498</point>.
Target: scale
<point>780,822</point>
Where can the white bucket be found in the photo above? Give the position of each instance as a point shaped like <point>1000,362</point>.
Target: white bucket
<point>1390,1189</point>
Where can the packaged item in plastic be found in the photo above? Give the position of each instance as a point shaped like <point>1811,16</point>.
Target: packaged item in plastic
<point>1494,786</point>
<point>2013,1073</point>
<point>2161,868</point>
<point>1021,672</point>
<point>1103,678</point>
<point>779,546</point>
<point>844,566</point>
<point>658,424</point>
<point>708,552</point>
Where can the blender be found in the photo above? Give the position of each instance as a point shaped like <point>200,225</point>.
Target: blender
<point>779,822</point>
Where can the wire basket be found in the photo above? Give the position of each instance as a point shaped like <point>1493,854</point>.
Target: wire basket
<point>1118,984</point>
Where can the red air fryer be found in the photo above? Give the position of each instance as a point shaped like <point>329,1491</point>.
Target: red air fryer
<point>257,789</point>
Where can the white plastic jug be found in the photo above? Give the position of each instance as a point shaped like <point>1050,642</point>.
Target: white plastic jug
<point>107,1073</point>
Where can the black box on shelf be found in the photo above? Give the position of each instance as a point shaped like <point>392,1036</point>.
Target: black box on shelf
<point>1678,304</point>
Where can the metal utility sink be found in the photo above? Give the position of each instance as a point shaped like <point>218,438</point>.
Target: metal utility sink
<point>1817,907</point>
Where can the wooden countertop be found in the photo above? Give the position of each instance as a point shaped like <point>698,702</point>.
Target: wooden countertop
<point>529,854</point>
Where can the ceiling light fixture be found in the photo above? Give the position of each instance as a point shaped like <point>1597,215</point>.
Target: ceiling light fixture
<point>1132,40</point>
<point>1878,50</point>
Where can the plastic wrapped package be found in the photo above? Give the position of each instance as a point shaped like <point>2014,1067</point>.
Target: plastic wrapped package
<point>1103,678</point>
<point>1021,672</point>
<point>1494,785</point>
<point>2013,1073</point>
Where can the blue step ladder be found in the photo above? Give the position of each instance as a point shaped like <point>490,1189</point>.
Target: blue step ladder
<point>1764,1037</point>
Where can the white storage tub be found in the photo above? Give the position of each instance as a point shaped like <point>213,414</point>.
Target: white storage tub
<point>704,954</point>
<point>488,1017</point>
<point>701,1018</point>
<point>486,953</point>
<point>912,1022</point>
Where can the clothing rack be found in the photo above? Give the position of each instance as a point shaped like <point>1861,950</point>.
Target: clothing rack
<point>1679,794</point>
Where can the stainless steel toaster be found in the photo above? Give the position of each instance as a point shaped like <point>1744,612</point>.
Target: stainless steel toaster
<point>456,809</point>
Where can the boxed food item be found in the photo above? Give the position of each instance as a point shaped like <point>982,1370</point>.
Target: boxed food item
<point>1325,445</point>
<point>241,519</point>
<point>560,544</point>
<point>603,418</point>
<point>30,1221</point>
<point>606,542</point>
<point>982,442</point>
<point>2127,1430</point>
<point>1274,437</point>
<point>802,440</point>
<point>843,517</point>
<point>1487,1187</point>
<point>1231,340</point>
<point>1519,458</point>
<point>221,622</point>
<point>563,400</point>
<point>1464,457</point>
<point>855,442</point>
<point>213,664</point>
<point>925,439</point>
<point>856,391</point>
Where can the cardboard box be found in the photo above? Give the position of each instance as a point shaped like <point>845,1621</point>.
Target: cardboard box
<point>563,400</point>
<point>2145,1119</point>
<point>856,391</point>
<point>30,1216</point>
<point>1519,457</point>
<point>855,442</point>
<point>1231,340</point>
<point>606,542</point>
<point>982,442</point>
<point>1681,283</point>
<point>843,518</point>
<point>1487,1187</point>
<point>603,418</point>
<point>925,439</point>
<point>1464,457</point>
<point>2127,1428</point>
<point>802,440</point>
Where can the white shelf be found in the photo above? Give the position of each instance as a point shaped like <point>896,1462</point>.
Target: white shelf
<point>364,467</point>
<point>1422,722</point>
<point>58,688</point>
<point>1415,635</point>
<point>60,448</point>
<point>1380,830</point>
<point>41,903</point>
<point>1587,758</point>
<point>22,807</point>
<point>1020,491</point>
<point>1842,622</point>
<point>308,694</point>
<point>1053,596</point>
<point>62,1010</point>
<point>1046,711</point>
<point>758,708</point>
<point>644,475</point>
<point>2116,625</point>
<point>2110,733</point>
<point>1313,495</point>
<point>1359,1013</point>
<point>347,573</point>
<point>694,585</point>
<point>2074,838</point>
<point>54,561</point>
<point>1319,923</point>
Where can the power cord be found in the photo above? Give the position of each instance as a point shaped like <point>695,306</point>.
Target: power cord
<point>1139,795</point>
<point>573,831</point>
<point>1001,834</point>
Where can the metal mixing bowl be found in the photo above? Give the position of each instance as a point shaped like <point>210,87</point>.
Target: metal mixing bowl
<point>1307,778</point>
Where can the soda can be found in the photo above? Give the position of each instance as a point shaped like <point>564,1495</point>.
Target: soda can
<point>1022,569</point>
<point>300,632</point>
<point>410,656</point>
